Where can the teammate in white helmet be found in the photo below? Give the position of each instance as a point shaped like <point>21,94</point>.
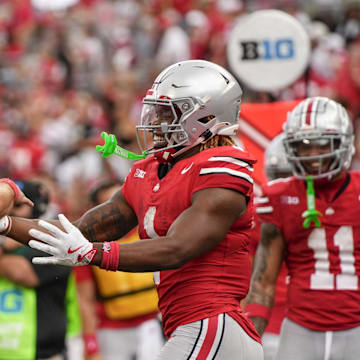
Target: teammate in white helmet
<point>276,163</point>
<point>192,201</point>
<point>311,221</point>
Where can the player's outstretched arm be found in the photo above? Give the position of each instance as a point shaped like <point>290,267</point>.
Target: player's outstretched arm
<point>197,230</point>
<point>268,261</point>
<point>20,228</point>
<point>106,222</point>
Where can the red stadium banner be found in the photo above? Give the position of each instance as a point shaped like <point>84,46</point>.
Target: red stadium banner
<point>259,123</point>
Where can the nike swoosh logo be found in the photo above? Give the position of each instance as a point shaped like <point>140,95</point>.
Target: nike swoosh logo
<point>186,169</point>
<point>70,251</point>
<point>179,86</point>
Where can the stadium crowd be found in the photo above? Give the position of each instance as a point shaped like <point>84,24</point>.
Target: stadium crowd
<point>66,75</point>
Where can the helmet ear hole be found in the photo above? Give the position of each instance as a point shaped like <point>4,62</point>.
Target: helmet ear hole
<point>206,119</point>
<point>337,143</point>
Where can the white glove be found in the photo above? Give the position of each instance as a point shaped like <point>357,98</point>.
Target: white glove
<point>67,248</point>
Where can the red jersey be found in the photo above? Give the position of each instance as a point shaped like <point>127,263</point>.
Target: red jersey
<point>324,262</point>
<point>215,282</point>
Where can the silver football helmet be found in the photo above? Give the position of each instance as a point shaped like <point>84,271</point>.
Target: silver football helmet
<point>189,102</point>
<point>324,124</point>
<point>276,163</point>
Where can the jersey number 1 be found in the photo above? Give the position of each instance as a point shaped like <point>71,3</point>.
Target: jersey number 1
<point>322,279</point>
<point>150,230</point>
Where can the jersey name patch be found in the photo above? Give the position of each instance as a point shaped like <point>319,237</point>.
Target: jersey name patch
<point>290,200</point>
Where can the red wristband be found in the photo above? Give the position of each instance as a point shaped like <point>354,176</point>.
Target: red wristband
<point>13,186</point>
<point>91,344</point>
<point>257,310</point>
<point>110,256</point>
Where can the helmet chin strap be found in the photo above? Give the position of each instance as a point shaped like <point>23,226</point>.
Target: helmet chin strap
<point>228,130</point>
<point>217,129</point>
<point>165,156</point>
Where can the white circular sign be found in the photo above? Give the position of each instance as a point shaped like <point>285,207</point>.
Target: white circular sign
<point>268,50</point>
<point>53,5</point>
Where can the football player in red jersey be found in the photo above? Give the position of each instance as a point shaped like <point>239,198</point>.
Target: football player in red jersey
<point>192,201</point>
<point>276,166</point>
<point>323,315</point>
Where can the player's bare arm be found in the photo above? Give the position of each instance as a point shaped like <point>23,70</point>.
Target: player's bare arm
<point>106,222</point>
<point>197,230</point>
<point>267,264</point>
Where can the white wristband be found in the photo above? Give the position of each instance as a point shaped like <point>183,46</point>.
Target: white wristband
<point>5,225</point>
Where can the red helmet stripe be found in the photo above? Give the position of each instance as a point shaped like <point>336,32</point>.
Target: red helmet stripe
<point>308,113</point>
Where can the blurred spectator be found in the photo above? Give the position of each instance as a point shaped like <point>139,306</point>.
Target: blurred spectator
<point>174,45</point>
<point>26,153</point>
<point>349,28</point>
<point>198,27</point>
<point>348,80</point>
<point>119,310</point>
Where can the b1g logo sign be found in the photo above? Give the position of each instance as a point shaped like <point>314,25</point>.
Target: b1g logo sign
<point>268,50</point>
